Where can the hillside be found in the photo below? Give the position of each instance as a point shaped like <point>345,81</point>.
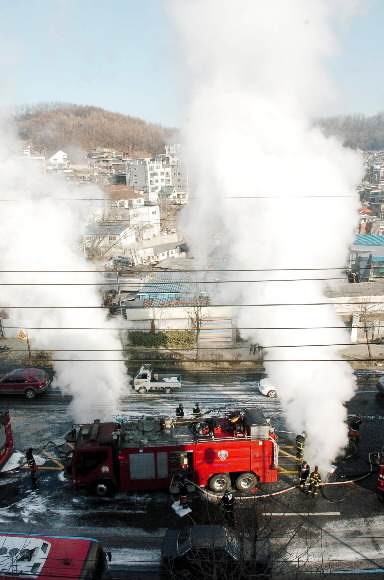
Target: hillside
<point>54,126</point>
<point>356,131</point>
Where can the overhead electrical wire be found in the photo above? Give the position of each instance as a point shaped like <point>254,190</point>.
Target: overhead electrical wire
<point>178,271</point>
<point>209,306</point>
<point>167,282</point>
<point>182,329</point>
<point>213,361</point>
<point>105,202</point>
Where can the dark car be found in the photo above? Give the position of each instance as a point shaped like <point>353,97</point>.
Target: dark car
<point>28,382</point>
<point>380,385</point>
<point>200,549</point>
<point>368,373</point>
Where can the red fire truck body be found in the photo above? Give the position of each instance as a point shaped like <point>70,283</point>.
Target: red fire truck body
<point>6,437</point>
<point>148,453</point>
<point>380,478</point>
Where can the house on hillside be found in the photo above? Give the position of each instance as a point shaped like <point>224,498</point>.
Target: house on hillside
<point>173,301</point>
<point>107,239</point>
<point>170,193</point>
<point>144,218</point>
<point>58,160</point>
<point>158,253</point>
<point>361,307</point>
<point>367,256</point>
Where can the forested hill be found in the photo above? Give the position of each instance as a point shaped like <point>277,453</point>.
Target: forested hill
<point>357,131</point>
<point>54,126</point>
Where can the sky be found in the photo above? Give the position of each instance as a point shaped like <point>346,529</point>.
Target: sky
<point>121,55</point>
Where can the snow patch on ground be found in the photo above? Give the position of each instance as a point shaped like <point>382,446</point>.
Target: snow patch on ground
<point>134,557</point>
<point>18,459</point>
<point>32,505</point>
<point>25,509</point>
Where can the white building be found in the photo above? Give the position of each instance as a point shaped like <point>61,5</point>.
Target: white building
<point>58,159</point>
<point>103,238</point>
<point>145,221</point>
<point>152,175</point>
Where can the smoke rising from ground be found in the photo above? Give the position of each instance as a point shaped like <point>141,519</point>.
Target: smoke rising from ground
<point>42,221</point>
<point>281,193</point>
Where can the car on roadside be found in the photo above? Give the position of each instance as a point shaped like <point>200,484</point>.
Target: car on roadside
<point>28,382</point>
<point>202,549</point>
<point>267,388</point>
<point>368,373</point>
<point>380,385</point>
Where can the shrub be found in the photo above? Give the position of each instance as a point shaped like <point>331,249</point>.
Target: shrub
<point>165,339</point>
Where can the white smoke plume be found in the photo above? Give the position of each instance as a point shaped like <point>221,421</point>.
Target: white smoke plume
<point>282,193</point>
<point>53,291</point>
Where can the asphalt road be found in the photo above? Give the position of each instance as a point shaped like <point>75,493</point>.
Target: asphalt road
<point>340,531</point>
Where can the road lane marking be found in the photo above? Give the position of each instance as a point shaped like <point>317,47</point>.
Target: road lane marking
<point>290,514</point>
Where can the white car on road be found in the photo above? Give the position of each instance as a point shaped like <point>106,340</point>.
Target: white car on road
<point>267,388</point>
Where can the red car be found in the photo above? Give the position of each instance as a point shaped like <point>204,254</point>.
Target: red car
<point>28,382</point>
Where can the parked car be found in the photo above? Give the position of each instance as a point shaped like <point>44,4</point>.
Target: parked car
<point>27,381</point>
<point>200,549</point>
<point>380,385</point>
<point>368,373</point>
<point>267,388</point>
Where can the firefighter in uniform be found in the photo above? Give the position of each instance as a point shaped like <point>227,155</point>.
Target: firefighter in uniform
<point>31,463</point>
<point>303,474</point>
<point>300,442</point>
<point>354,429</point>
<point>356,423</point>
<point>238,423</point>
<point>228,501</point>
<point>196,412</point>
<point>314,482</point>
<point>183,492</point>
<point>180,410</point>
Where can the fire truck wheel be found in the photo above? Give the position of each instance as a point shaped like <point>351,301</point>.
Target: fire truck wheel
<point>30,394</point>
<point>143,390</point>
<point>246,481</point>
<point>167,390</point>
<point>219,482</point>
<point>104,488</point>
<point>272,394</point>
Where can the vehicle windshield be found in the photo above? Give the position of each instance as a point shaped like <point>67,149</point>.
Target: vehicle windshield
<point>232,545</point>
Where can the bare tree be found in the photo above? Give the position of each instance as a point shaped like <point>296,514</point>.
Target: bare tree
<point>3,315</point>
<point>198,312</point>
<point>255,546</point>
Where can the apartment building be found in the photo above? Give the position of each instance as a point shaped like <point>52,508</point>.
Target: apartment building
<point>153,175</point>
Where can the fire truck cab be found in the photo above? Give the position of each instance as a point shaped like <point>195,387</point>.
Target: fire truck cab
<point>147,453</point>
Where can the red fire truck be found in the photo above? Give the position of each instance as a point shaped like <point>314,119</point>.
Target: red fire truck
<point>380,478</point>
<point>51,557</point>
<point>6,437</point>
<point>217,452</point>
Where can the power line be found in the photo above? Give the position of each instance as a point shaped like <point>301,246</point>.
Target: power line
<point>208,306</point>
<point>216,361</point>
<point>166,282</point>
<point>200,348</point>
<point>180,329</point>
<point>105,202</point>
<point>177,271</point>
